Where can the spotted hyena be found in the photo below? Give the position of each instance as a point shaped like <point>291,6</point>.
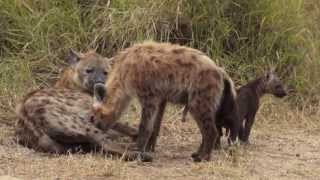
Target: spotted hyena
<point>249,96</point>
<point>157,73</point>
<point>58,119</point>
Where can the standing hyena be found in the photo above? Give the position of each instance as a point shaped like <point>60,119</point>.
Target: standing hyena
<point>249,96</point>
<point>157,73</point>
<point>57,119</point>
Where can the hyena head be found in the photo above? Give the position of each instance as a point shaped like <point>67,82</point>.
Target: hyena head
<point>273,84</point>
<point>88,69</point>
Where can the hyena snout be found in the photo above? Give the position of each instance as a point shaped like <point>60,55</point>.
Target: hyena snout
<point>95,78</point>
<point>280,91</point>
<point>99,93</point>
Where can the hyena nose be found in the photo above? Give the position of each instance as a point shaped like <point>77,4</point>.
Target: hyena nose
<point>99,81</point>
<point>282,94</point>
<point>285,93</point>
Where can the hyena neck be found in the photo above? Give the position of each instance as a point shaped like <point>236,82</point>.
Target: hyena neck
<point>115,102</point>
<point>67,81</point>
<point>258,87</point>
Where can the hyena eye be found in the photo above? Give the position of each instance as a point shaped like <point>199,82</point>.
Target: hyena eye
<point>89,70</point>
<point>105,73</point>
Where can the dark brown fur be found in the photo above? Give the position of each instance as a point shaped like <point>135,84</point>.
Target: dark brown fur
<point>249,97</point>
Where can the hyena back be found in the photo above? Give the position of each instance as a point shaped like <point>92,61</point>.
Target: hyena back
<point>249,97</point>
<point>157,73</point>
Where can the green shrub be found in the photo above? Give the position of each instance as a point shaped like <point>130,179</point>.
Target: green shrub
<point>246,37</point>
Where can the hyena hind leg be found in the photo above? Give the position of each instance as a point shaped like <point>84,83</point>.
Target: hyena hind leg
<point>205,118</point>
<point>31,137</point>
<point>46,144</point>
<point>125,129</point>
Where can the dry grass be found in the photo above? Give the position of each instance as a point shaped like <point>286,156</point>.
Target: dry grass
<point>284,146</point>
<point>245,36</point>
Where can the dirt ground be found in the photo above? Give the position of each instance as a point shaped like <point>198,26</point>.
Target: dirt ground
<point>284,145</point>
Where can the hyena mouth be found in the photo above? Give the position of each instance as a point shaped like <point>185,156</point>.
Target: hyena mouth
<point>281,94</point>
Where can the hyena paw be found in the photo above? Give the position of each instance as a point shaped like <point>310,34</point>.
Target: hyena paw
<point>247,142</point>
<point>139,156</point>
<point>145,157</point>
<point>197,157</point>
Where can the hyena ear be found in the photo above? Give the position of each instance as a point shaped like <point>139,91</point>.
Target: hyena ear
<point>110,61</point>
<point>99,94</point>
<point>73,57</point>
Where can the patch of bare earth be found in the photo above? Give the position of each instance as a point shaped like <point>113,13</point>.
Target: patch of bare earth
<point>284,145</point>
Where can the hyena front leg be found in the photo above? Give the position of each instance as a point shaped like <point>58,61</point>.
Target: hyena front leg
<point>153,139</point>
<point>150,109</point>
<point>204,114</point>
<point>101,139</point>
<point>125,129</point>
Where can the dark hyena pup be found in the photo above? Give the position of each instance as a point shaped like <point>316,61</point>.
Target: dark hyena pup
<point>249,96</point>
<point>157,73</point>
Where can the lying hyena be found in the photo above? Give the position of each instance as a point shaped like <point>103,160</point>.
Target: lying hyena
<point>85,70</point>
<point>249,96</point>
<point>57,119</point>
<point>157,73</point>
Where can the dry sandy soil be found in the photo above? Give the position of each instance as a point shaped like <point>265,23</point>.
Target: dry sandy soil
<point>285,145</point>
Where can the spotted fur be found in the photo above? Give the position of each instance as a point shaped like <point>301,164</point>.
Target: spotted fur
<point>157,73</point>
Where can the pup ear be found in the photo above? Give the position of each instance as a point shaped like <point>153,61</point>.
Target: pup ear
<point>99,94</point>
<point>73,57</point>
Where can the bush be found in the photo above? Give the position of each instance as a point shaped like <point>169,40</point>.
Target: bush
<point>246,37</point>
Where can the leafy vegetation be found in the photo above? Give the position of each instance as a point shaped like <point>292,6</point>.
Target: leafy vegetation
<point>246,37</point>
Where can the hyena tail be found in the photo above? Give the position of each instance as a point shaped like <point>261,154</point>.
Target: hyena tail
<point>228,106</point>
<point>229,88</point>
